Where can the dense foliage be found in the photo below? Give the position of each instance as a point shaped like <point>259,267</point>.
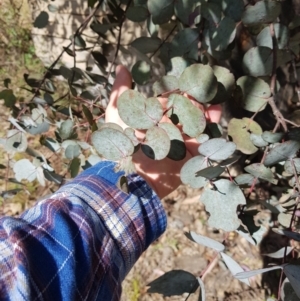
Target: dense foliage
<point>240,53</point>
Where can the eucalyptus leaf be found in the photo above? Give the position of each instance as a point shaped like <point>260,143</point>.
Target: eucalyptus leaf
<point>176,66</point>
<point>233,267</point>
<point>74,167</point>
<point>173,283</point>
<point>282,152</point>
<point>257,140</point>
<point>72,151</point>
<point>205,241</point>
<point>112,144</point>
<point>262,12</point>
<point>66,129</point>
<point>244,179</point>
<point>16,141</point>
<point>272,137</point>
<point>211,12</point>
<point>189,170</point>
<point>167,83</point>
<point>223,34</point>
<point>9,97</point>
<point>258,170</point>
<point>256,93</point>
<point>137,13</point>
<point>24,170</point>
<point>146,44</point>
<point>249,274</point>
<point>281,33</point>
<point>161,10</point>
<point>240,130</point>
<point>184,8</point>
<point>258,61</point>
<point>156,144</point>
<point>141,72</point>
<point>41,20</point>
<point>192,118</point>
<point>200,82</point>
<point>210,172</point>
<point>289,166</point>
<point>292,272</point>
<point>53,177</point>
<point>221,202</point>
<point>217,149</point>
<point>232,8</point>
<point>280,253</point>
<point>137,111</point>
<point>177,149</point>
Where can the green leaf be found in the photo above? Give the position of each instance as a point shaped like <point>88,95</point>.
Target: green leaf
<point>258,61</point>
<point>141,72</point>
<point>167,83</point>
<point>52,144</point>
<point>102,28</point>
<point>72,151</point>
<point>9,97</point>
<point>258,170</point>
<point>257,140</point>
<point>152,28</point>
<point>288,166</point>
<point>66,129</point>
<point>41,20</point>
<point>232,8</point>
<point>226,83</point>
<point>16,141</point>
<point>184,42</point>
<point>189,170</point>
<point>157,143</point>
<point>100,59</point>
<point>211,12</point>
<point>223,35</point>
<point>24,170</point>
<point>244,179</point>
<point>53,177</point>
<point>240,130</point>
<point>210,172</point>
<point>74,167</point>
<point>79,41</point>
<point>200,82</point>
<point>177,149</point>
<point>184,8</point>
<point>221,202</point>
<point>88,115</point>
<point>282,152</point>
<point>112,144</point>
<point>191,117</point>
<point>174,283</point>
<point>176,66</point>
<point>281,33</point>
<point>146,44</point>
<point>205,241</point>
<point>261,13</point>
<point>292,272</point>
<point>161,10</point>
<point>137,13</point>
<point>272,137</point>
<point>137,111</point>
<point>217,149</point>
<point>256,93</point>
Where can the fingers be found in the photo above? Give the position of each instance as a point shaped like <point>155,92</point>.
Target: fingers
<point>122,83</point>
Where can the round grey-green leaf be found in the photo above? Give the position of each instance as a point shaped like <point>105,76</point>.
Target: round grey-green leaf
<point>192,118</point>
<point>223,35</point>
<point>289,166</point>
<point>167,83</point>
<point>211,12</point>
<point>217,149</point>
<point>189,170</point>
<point>112,144</point>
<point>66,129</point>
<point>258,61</point>
<point>157,143</point>
<point>233,9</point>
<point>200,82</point>
<point>72,151</point>
<point>281,33</point>
<point>141,72</point>
<point>137,111</point>
<point>146,44</point>
<point>261,13</point>
<point>41,20</point>
<point>161,10</point>
<point>257,140</point>
<point>258,170</point>
<point>137,13</point>
<point>256,93</point>
<point>272,137</point>
<point>176,66</point>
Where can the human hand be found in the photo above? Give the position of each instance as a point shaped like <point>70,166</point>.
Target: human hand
<point>162,175</point>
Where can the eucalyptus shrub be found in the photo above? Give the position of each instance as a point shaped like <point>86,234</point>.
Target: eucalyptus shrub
<point>204,59</point>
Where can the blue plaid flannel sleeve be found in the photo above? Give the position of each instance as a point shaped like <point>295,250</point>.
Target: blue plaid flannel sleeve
<point>79,243</point>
